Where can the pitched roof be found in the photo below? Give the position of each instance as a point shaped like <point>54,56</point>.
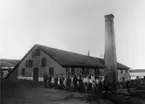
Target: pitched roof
<point>66,58</point>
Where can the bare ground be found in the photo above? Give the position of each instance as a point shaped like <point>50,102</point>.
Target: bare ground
<point>26,92</point>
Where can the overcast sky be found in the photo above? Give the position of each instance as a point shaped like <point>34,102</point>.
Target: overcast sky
<point>73,25</point>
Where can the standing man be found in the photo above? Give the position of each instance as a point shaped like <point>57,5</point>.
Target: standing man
<point>45,78</point>
<point>61,81</point>
<point>128,86</point>
<point>90,84</point>
<point>81,86</point>
<point>85,83</point>
<point>75,82</point>
<point>93,84</point>
<point>106,84</point>
<point>49,80</point>
<point>96,83</point>
<point>100,84</point>
<point>68,82</point>
<point>56,81</point>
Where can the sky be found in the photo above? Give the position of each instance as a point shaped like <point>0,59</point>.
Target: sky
<point>73,25</point>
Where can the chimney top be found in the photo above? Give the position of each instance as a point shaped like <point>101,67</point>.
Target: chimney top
<point>88,53</point>
<point>109,17</point>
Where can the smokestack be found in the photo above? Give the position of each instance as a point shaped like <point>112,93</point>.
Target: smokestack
<point>110,49</point>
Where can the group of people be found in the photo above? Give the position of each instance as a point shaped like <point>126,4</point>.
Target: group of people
<point>75,82</point>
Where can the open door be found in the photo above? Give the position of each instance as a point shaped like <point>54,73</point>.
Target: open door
<point>51,71</point>
<point>35,74</point>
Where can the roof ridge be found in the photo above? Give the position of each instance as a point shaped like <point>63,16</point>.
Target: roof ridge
<point>67,51</point>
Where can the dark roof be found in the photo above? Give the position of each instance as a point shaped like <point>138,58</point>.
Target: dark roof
<point>8,62</point>
<point>137,70</point>
<point>66,58</point>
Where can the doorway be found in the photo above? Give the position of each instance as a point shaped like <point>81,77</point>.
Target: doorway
<point>51,71</point>
<point>35,74</point>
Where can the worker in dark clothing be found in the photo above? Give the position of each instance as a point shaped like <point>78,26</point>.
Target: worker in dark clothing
<point>100,84</point>
<point>128,86</point>
<point>81,85</point>
<point>68,82</point>
<point>61,81</point>
<point>106,84</point>
<point>89,83</point>
<point>45,78</point>
<point>56,81</point>
<point>123,82</point>
<point>75,81</point>
<point>49,80</point>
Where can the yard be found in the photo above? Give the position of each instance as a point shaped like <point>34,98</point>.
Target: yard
<point>27,92</point>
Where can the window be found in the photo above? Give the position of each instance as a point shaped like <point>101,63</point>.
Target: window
<point>51,71</point>
<point>83,71</point>
<point>43,62</point>
<point>36,53</point>
<point>67,71</point>
<point>86,71</point>
<point>126,71</point>
<point>96,71</point>
<point>23,72</point>
<point>72,71</point>
<point>121,71</point>
<point>29,63</point>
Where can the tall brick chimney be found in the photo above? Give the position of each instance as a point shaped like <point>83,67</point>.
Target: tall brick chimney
<point>110,49</point>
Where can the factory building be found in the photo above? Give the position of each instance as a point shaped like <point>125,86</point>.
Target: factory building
<point>42,59</point>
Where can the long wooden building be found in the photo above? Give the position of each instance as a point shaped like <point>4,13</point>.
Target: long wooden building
<point>42,59</point>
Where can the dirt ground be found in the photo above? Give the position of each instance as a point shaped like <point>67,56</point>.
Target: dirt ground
<point>27,92</point>
<point>24,92</point>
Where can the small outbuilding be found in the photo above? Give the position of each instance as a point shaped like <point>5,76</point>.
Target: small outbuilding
<point>6,65</point>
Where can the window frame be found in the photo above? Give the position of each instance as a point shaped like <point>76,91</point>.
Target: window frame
<point>42,62</point>
<point>121,71</point>
<point>35,53</point>
<point>29,63</point>
<point>23,72</point>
